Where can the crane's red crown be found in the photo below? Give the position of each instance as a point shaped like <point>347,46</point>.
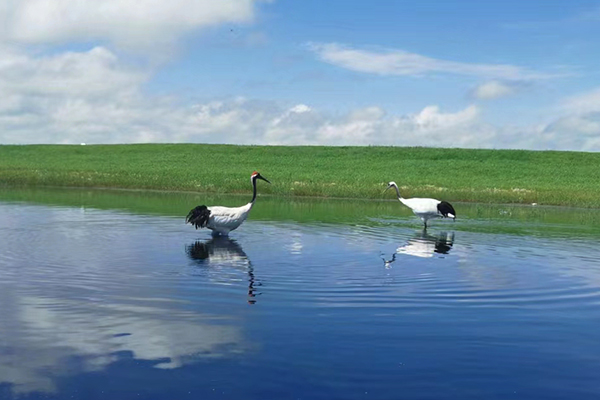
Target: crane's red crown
<point>254,174</point>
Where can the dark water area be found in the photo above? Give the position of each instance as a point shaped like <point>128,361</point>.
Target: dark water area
<point>109,295</point>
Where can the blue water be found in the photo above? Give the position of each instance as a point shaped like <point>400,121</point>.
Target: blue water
<point>112,305</point>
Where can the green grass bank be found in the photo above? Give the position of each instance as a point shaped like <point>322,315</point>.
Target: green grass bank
<point>502,176</point>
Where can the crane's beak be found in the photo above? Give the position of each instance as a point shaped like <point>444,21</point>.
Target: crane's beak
<point>386,189</point>
<point>264,179</point>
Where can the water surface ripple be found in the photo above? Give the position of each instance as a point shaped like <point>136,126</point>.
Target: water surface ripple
<point>114,304</point>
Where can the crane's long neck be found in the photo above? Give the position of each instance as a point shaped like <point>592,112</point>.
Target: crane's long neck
<point>253,190</point>
<point>398,192</point>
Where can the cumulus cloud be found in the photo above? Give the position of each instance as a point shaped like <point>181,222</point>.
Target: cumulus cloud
<point>94,97</point>
<point>66,93</point>
<point>137,23</point>
<point>94,73</point>
<point>431,117</point>
<point>493,90</point>
<point>399,62</point>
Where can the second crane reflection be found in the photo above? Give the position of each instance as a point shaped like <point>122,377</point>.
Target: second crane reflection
<point>222,252</point>
<point>425,245</point>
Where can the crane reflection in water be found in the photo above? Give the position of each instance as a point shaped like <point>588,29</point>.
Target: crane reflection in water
<point>423,245</point>
<point>221,252</point>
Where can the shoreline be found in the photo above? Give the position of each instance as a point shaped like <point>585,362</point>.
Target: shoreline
<point>283,197</point>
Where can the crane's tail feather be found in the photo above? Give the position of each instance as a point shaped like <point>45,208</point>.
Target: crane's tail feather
<point>198,217</point>
<point>446,210</point>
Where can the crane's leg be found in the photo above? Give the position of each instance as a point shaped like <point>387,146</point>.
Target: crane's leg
<point>216,233</point>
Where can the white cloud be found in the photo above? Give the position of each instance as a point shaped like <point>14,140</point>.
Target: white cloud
<point>431,117</point>
<point>94,73</point>
<point>300,108</point>
<point>588,102</point>
<point>93,97</point>
<point>46,99</point>
<point>493,90</point>
<point>143,23</point>
<point>400,62</point>
<point>577,125</point>
<point>574,132</point>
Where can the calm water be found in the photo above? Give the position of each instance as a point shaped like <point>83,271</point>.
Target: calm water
<point>307,300</point>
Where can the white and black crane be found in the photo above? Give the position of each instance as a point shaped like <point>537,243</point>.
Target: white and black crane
<point>222,220</point>
<point>426,209</point>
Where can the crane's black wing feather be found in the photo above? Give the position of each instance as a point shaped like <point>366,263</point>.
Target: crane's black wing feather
<point>198,217</point>
<point>446,208</point>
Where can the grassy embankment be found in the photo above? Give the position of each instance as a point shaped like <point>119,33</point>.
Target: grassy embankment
<point>507,176</point>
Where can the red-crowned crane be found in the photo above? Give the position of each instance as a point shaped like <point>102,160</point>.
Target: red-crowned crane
<point>426,209</point>
<point>222,220</point>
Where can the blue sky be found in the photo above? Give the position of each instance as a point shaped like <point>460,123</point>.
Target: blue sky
<point>507,74</point>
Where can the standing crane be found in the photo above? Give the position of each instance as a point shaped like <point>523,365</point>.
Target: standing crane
<point>426,209</point>
<point>222,220</point>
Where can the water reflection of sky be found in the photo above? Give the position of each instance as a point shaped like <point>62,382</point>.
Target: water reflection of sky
<point>77,283</point>
<point>89,297</point>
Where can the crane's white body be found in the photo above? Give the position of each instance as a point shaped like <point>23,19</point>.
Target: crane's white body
<point>423,208</point>
<point>223,220</point>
